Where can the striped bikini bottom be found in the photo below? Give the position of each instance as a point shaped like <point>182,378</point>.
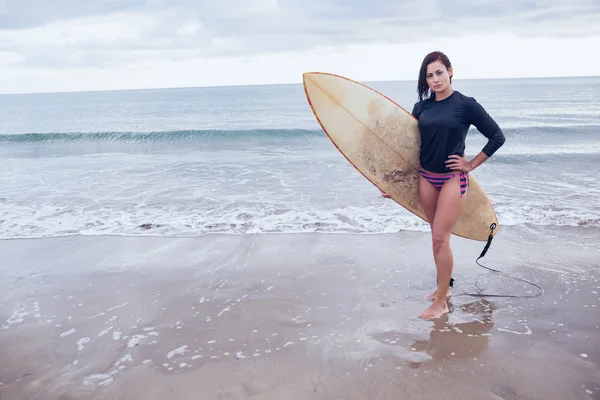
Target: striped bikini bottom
<point>438,180</point>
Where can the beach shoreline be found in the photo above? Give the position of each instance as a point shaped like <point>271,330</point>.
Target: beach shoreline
<point>300,316</point>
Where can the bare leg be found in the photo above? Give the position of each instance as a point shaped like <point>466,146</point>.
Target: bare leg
<point>432,295</point>
<point>449,208</point>
<point>429,198</point>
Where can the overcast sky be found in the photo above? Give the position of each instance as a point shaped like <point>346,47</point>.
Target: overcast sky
<point>68,45</point>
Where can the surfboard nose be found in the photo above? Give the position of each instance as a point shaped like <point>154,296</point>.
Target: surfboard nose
<point>310,76</point>
<point>316,76</point>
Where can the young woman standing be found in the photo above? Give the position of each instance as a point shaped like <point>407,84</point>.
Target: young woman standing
<point>445,116</point>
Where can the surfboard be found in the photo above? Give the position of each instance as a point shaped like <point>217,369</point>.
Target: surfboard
<point>382,141</point>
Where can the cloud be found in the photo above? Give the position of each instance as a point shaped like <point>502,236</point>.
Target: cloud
<point>104,33</point>
<point>23,14</point>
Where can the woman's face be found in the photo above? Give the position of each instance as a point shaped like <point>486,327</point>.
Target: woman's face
<point>438,77</point>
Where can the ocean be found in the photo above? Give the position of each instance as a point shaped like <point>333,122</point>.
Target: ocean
<point>253,160</point>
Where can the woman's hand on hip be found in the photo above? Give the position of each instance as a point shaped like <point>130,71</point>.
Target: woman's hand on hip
<point>458,163</point>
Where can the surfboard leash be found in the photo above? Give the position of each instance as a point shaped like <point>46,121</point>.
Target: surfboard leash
<point>479,294</point>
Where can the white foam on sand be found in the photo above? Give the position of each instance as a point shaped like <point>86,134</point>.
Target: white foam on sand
<point>224,310</point>
<point>67,333</point>
<point>17,318</point>
<point>125,358</point>
<point>527,331</point>
<point>81,342</point>
<point>135,340</point>
<point>104,332</point>
<point>104,379</point>
<point>177,351</point>
<point>119,306</point>
<point>36,309</point>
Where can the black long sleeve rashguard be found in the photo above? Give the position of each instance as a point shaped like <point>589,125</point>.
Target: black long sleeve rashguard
<point>444,125</point>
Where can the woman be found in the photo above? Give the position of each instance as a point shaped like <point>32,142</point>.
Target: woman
<point>445,116</point>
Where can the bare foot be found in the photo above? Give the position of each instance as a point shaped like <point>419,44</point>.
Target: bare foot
<point>432,295</point>
<point>436,310</point>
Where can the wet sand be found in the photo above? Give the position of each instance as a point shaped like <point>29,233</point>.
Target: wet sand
<point>297,316</point>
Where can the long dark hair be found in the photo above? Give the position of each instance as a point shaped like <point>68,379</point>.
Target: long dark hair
<point>422,87</point>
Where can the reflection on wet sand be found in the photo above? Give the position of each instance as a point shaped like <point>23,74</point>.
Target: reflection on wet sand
<point>465,339</point>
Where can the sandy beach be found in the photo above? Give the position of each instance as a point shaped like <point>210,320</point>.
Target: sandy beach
<point>297,316</point>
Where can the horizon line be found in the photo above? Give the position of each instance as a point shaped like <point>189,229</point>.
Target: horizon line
<point>287,84</point>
